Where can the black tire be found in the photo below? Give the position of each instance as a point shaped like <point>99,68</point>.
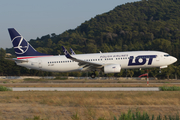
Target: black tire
<point>93,75</point>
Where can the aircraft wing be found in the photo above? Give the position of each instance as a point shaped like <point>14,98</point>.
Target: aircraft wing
<point>84,64</point>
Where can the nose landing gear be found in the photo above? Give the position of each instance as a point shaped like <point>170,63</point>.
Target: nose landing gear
<point>159,70</point>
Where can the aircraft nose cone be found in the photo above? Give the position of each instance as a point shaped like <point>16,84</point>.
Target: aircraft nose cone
<point>174,59</point>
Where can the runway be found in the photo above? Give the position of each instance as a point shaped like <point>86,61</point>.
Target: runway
<point>87,89</point>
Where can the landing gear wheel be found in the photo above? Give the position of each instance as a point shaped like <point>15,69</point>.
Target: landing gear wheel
<point>159,70</point>
<point>93,75</point>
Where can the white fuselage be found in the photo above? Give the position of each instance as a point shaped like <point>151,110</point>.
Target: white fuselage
<point>127,60</point>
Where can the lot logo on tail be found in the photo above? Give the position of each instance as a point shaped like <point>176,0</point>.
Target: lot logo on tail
<point>20,45</point>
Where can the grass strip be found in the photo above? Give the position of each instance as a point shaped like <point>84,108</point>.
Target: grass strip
<point>170,88</point>
<point>60,78</point>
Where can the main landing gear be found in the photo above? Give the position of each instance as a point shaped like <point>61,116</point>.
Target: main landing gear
<point>93,75</point>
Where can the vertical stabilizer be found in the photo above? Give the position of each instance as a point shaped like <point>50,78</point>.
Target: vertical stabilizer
<point>21,47</point>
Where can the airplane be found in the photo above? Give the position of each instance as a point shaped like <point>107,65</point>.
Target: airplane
<point>111,62</point>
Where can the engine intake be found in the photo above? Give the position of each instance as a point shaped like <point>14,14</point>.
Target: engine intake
<point>113,68</point>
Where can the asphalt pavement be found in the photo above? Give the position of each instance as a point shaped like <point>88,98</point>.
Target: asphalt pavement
<point>86,89</point>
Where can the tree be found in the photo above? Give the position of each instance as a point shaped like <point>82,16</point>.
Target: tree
<point>2,53</point>
<point>130,72</point>
<point>162,45</point>
<point>168,71</point>
<point>91,48</point>
<point>49,43</point>
<point>104,48</point>
<point>154,72</point>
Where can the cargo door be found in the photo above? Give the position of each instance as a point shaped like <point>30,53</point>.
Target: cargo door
<point>40,63</point>
<point>158,57</point>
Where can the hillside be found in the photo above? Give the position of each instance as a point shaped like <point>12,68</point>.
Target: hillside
<point>143,25</point>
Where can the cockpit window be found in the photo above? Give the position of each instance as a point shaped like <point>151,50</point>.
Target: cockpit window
<point>166,55</point>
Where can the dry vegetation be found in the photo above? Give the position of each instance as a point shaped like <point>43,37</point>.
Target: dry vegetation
<point>110,80</point>
<point>86,85</point>
<point>87,105</point>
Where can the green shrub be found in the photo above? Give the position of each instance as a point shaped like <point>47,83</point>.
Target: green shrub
<point>35,118</point>
<point>144,116</point>
<point>2,88</point>
<point>29,79</point>
<point>75,117</point>
<point>60,78</point>
<point>101,118</point>
<point>173,88</point>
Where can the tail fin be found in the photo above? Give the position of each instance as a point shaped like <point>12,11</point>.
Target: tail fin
<point>21,47</point>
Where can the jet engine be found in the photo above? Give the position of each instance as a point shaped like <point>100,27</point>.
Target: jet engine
<point>113,68</point>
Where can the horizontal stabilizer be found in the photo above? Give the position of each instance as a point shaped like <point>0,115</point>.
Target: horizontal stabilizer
<point>17,60</point>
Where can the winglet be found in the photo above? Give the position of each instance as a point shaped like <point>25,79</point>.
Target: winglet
<point>72,51</point>
<point>66,53</point>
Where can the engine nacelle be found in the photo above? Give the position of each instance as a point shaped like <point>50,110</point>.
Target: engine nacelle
<point>114,68</point>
